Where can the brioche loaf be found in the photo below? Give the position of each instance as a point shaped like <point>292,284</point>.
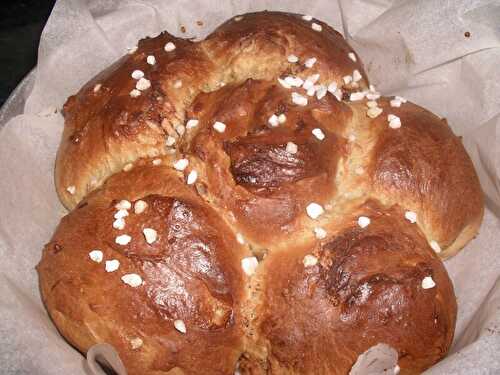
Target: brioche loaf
<point>251,203</point>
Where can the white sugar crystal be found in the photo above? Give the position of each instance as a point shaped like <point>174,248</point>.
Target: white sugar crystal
<point>356,75</point>
<point>238,18</point>
<point>311,91</point>
<point>192,123</point>
<point>347,79</point>
<point>291,148</point>
<point>310,260</point>
<point>321,92</point>
<point>156,162</point>
<point>97,87</point>
<point>112,265</point>
<point>332,87</point>
<point>309,63</point>
<point>169,47</point>
<point>352,56</point>
<point>180,129</point>
<point>123,239</point>
<point>219,126</point>
<point>282,118</point>
<point>123,205</point>
<point>128,167</point>
<point>180,326</point>
<point>363,221</point>
<point>395,103</point>
<point>299,99</point>
<point>294,81</point>
<point>192,177</point>
<point>374,112</point>
<point>273,120</point>
<point>170,141</point>
<point>121,213</point>
<point>372,95</point>
<point>96,256</point>
<point>320,233</point>
<point>140,206</point>
<point>314,210</point>
<point>411,216</point>
<point>307,84</point>
<point>143,84</point>
<point>240,238</point>
<point>249,265</point>
<point>316,26</point>
<point>428,283</point>
<point>292,59</point>
<point>137,74</point>
<point>313,78</point>
<point>318,133</point>
<point>338,94</point>
<point>119,224</point>
<point>284,83</point>
<point>181,164</point>
<point>151,60</point>
<point>435,246</point>
<point>71,189</point>
<point>355,96</point>
<point>136,343</point>
<point>394,121</point>
<point>150,235</point>
<point>135,93</point>
<point>132,279</point>
<point>307,17</point>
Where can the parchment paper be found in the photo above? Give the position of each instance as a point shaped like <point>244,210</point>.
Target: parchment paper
<point>417,49</point>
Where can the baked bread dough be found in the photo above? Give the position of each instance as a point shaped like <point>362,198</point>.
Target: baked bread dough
<point>251,203</point>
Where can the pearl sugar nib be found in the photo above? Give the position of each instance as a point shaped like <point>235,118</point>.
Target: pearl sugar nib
<point>220,127</point>
<point>180,326</point>
<point>96,256</point>
<point>363,221</point>
<point>169,47</point>
<point>394,121</point>
<point>428,283</point>
<point>314,210</point>
<point>132,279</point>
<point>249,265</point>
<point>291,148</point>
<point>299,99</point>
<point>310,260</point>
<point>150,235</point>
<point>192,177</point>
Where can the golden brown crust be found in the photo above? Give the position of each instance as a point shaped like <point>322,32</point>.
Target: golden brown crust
<point>424,167</point>
<point>365,289</point>
<point>107,129</point>
<point>191,272</point>
<point>248,171</point>
<point>278,178</point>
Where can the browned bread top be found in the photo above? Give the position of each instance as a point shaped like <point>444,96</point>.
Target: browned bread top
<point>269,210</point>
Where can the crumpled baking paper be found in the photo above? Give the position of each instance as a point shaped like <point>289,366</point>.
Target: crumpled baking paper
<point>443,55</point>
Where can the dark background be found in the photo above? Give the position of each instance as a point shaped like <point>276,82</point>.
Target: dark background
<point>21,23</point>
